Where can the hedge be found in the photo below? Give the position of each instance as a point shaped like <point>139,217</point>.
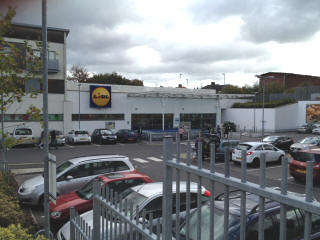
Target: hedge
<point>16,232</point>
<point>271,104</point>
<point>11,213</point>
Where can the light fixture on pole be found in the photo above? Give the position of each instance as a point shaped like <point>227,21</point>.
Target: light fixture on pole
<point>263,78</point>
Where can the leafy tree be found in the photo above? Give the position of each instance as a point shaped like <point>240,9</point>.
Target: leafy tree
<point>78,73</point>
<point>17,64</point>
<point>113,78</point>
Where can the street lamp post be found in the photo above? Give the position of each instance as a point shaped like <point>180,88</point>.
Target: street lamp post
<point>254,112</point>
<point>79,85</point>
<point>263,91</point>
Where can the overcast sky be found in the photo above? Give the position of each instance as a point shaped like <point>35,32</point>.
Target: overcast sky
<point>158,40</point>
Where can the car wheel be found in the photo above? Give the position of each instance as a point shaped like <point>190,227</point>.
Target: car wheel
<point>280,159</point>
<point>100,141</point>
<point>256,162</point>
<point>72,141</point>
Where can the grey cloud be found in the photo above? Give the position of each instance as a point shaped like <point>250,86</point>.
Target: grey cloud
<point>273,20</point>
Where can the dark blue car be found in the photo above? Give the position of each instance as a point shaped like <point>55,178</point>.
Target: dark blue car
<point>127,135</point>
<point>295,220</point>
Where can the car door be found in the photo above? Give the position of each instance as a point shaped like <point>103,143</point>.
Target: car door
<point>270,153</point>
<point>74,178</point>
<point>280,143</point>
<point>269,229</point>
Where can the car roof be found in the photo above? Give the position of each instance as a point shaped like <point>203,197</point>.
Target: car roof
<point>252,202</point>
<point>315,150</point>
<point>98,157</point>
<point>109,177</point>
<point>253,143</point>
<point>154,189</point>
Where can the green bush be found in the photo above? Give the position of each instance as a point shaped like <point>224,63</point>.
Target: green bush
<point>230,126</point>
<point>16,232</point>
<point>271,104</point>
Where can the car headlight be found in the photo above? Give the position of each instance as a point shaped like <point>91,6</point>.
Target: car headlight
<point>55,214</point>
<point>26,190</point>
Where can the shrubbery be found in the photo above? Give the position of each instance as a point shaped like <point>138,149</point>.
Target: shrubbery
<point>16,232</point>
<point>13,220</point>
<point>271,104</point>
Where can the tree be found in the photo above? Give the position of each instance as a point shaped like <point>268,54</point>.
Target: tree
<point>114,78</point>
<point>17,64</point>
<point>78,73</point>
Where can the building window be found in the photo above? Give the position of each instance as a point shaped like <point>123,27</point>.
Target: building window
<point>32,86</point>
<point>151,121</point>
<point>26,117</point>
<point>199,120</point>
<point>97,117</point>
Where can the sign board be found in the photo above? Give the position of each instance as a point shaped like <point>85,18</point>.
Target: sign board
<point>176,122</point>
<point>100,96</point>
<point>312,113</point>
<point>110,125</point>
<point>52,178</point>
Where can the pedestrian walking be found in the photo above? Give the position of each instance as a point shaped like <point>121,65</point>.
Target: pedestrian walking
<point>181,132</point>
<point>53,135</point>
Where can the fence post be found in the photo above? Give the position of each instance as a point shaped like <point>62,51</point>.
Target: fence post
<point>72,217</point>
<point>167,190</point>
<point>150,137</point>
<point>96,210</point>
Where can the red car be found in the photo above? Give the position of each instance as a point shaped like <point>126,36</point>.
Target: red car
<point>298,165</point>
<point>82,199</point>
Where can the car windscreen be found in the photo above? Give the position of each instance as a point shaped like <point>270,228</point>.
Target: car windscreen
<point>23,131</point>
<point>80,132</point>
<point>304,156</point>
<point>63,167</point>
<point>243,147</point>
<point>106,131</point>
<point>270,138</point>
<point>234,223</point>
<point>134,198</point>
<point>310,140</point>
<point>86,192</point>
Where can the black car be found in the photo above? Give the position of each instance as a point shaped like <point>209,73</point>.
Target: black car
<point>282,142</point>
<point>206,140</point>
<point>103,135</point>
<point>127,135</point>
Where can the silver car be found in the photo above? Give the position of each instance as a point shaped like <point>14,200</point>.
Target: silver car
<point>72,175</point>
<point>146,196</point>
<point>305,143</point>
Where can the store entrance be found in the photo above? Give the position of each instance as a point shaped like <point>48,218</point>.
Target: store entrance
<point>151,121</point>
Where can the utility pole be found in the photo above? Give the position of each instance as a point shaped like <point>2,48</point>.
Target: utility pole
<point>224,79</point>
<point>79,85</point>
<point>45,119</point>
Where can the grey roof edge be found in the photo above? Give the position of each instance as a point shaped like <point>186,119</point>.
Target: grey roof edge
<point>40,27</point>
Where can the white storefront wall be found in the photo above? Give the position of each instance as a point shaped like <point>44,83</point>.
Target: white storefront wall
<point>284,118</point>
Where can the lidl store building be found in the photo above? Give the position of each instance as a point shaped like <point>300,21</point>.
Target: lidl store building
<point>91,106</point>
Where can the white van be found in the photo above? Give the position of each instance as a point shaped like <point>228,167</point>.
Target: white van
<point>23,135</point>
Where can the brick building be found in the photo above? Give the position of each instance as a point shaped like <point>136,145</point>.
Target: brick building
<point>289,80</point>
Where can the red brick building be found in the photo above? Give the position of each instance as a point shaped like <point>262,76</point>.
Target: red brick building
<point>288,80</point>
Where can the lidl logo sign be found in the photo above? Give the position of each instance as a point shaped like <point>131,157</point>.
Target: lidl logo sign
<point>100,96</point>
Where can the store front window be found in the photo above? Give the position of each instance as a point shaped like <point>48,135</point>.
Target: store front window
<point>151,121</point>
<point>199,120</point>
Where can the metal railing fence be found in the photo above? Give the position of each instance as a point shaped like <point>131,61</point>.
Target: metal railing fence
<point>115,219</point>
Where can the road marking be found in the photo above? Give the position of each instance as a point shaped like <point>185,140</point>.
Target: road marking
<point>22,164</point>
<point>69,146</point>
<point>97,145</point>
<point>140,160</point>
<point>289,178</point>
<point>26,171</point>
<point>155,159</point>
<point>258,169</point>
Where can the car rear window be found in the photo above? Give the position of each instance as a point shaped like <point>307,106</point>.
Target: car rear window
<point>106,131</point>
<point>243,147</point>
<point>81,132</point>
<point>304,156</point>
<point>23,131</point>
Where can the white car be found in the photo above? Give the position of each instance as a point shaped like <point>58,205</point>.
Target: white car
<point>149,197</point>
<point>254,151</point>
<point>78,136</point>
<point>316,130</point>
<point>23,135</point>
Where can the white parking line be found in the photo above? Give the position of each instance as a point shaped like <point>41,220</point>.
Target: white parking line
<point>97,145</point>
<point>289,178</point>
<point>140,160</point>
<point>155,159</point>
<point>69,146</point>
<point>258,169</point>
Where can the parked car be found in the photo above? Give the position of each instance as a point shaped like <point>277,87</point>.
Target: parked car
<point>73,174</point>
<point>23,135</point>
<point>305,143</point>
<point>307,128</point>
<point>254,151</point>
<point>61,139</point>
<point>220,146</point>
<point>126,135</point>
<point>282,142</point>
<point>78,136</point>
<point>298,163</point>
<point>82,199</point>
<point>103,135</point>
<point>149,197</point>
<point>316,130</point>
<point>295,220</point>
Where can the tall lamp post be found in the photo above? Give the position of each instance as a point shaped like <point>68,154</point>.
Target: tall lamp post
<point>263,78</point>
<point>254,112</point>
<point>79,85</point>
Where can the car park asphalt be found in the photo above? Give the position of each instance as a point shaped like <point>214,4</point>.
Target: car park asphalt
<point>148,159</point>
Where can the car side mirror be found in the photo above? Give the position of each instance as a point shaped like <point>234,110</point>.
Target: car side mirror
<point>68,178</point>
